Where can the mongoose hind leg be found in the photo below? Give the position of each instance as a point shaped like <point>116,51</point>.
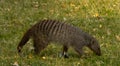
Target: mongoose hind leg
<point>39,45</point>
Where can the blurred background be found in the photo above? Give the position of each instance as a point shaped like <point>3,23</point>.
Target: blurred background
<point>100,18</point>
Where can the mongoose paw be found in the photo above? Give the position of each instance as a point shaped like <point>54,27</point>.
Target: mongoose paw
<point>65,55</point>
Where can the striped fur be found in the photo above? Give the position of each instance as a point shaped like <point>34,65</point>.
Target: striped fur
<point>47,31</point>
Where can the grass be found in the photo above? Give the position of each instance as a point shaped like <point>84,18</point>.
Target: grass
<point>99,18</point>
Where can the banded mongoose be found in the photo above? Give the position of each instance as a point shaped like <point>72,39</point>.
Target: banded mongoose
<point>46,31</point>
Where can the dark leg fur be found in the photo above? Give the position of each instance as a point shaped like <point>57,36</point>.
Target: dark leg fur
<point>64,53</point>
<point>39,45</point>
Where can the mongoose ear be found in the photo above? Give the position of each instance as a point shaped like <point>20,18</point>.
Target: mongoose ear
<point>92,43</point>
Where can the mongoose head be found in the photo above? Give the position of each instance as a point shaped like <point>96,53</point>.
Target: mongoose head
<point>95,47</point>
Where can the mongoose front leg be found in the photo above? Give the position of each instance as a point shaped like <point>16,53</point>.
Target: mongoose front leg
<point>64,53</point>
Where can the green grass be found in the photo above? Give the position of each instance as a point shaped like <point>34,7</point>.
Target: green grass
<point>99,18</point>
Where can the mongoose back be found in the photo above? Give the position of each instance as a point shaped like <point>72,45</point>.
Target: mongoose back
<point>46,31</point>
